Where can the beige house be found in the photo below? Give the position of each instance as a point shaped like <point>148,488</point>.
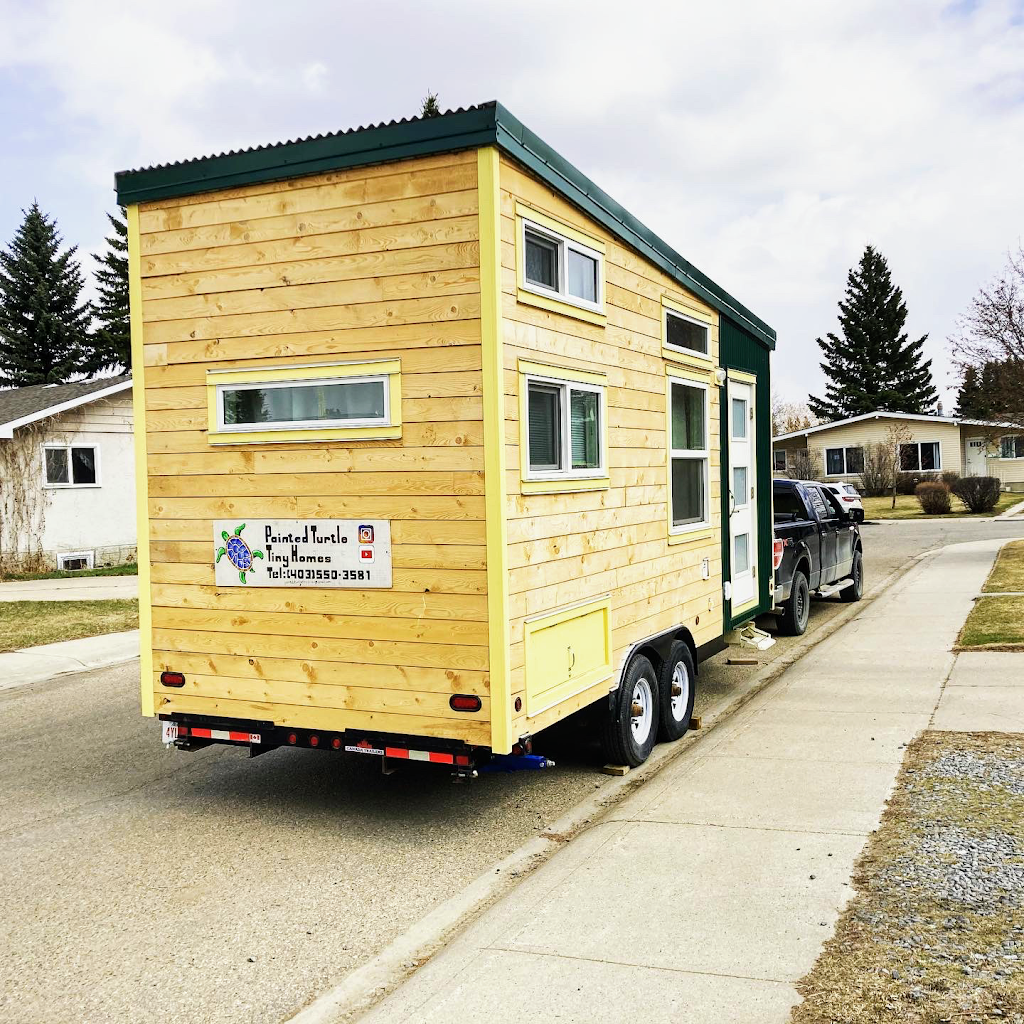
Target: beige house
<point>933,444</point>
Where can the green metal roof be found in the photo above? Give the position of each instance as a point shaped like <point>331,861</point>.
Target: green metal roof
<point>488,124</point>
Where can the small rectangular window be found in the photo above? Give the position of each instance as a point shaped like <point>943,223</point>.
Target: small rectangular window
<point>740,495</point>
<point>739,419</point>
<point>686,334</point>
<point>70,466</point>
<point>564,428</point>
<point>923,456</point>
<point>779,460</point>
<point>834,462</point>
<point>741,554</point>
<point>1012,447</point>
<point>854,460</point>
<point>291,405</point>
<point>688,455</point>
<point>560,266</point>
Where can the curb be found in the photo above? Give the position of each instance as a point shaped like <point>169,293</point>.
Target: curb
<point>33,665</point>
<point>369,984</point>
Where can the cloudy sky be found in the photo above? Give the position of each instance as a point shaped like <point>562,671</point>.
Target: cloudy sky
<point>767,142</point>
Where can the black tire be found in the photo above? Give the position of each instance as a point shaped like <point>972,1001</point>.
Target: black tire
<point>856,592</point>
<point>675,712</point>
<point>797,609</point>
<point>620,742</point>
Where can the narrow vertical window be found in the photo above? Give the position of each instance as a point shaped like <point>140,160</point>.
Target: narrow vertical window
<point>688,455</point>
<point>545,417</point>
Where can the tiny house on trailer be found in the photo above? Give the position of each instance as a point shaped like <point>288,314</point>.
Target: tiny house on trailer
<point>437,445</point>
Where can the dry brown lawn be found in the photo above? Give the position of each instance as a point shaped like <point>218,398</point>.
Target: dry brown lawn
<point>30,623</point>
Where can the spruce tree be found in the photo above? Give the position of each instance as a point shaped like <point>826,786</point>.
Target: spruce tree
<point>43,323</point>
<point>873,365</point>
<point>969,401</point>
<point>111,342</point>
<point>430,107</point>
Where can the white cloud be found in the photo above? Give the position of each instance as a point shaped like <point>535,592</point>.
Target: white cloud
<point>766,142</point>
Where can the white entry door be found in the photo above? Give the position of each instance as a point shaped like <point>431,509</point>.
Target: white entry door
<point>976,448</point>
<point>742,495</point>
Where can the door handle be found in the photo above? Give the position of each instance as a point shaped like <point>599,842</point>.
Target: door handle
<point>572,659</point>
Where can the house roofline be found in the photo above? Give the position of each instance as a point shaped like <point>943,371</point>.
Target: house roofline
<point>7,429</point>
<point>881,415</point>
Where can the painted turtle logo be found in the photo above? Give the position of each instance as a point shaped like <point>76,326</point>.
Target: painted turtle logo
<point>240,555</point>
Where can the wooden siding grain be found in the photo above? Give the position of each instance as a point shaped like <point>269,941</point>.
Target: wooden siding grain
<point>357,265</point>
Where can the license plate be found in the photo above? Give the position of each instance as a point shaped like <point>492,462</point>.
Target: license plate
<point>169,731</point>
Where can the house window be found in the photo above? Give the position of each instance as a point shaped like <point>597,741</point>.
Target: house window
<point>920,456</point>
<point>1012,447</point>
<point>686,334</point>
<point>71,465</point>
<point>688,455</point>
<point>302,405</point>
<point>779,460</point>
<point>316,402</point>
<point>561,267</point>
<point>564,435</point>
<point>844,461</point>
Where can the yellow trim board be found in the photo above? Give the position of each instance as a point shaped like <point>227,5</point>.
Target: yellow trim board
<point>560,227</point>
<point>391,368</point>
<point>562,372</point>
<point>146,694</point>
<point>697,374</point>
<point>698,536</point>
<point>565,486</point>
<point>557,306</point>
<point>498,640</point>
<point>742,377</point>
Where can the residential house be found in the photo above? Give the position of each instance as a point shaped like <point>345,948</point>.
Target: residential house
<point>933,444</point>
<point>67,475</point>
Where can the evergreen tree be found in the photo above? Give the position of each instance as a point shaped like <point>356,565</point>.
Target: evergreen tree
<point>430,107</point>
<point>43,325</point>
<point>111,342</point>
<point>873,365</point>
<point>970,403</point>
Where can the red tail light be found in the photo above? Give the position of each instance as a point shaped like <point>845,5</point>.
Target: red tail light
<point>292,738</point>
<point>336,743</point>
<point>314,741</point>
<point>172,679</point>
<point>847,497</point>
<point>464,702</point>
<point>777,546</point>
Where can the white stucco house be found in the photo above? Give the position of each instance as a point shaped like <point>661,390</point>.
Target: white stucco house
<point>67,475</point>
<point>932,444</point>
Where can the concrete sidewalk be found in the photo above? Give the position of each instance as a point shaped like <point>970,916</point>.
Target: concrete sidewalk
<point>708,893</point>
<point>37,664</point>
<point>74,588</point>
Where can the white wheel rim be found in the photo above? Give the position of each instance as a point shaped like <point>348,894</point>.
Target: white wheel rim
<point>680,678</point>
<point>643,700</point>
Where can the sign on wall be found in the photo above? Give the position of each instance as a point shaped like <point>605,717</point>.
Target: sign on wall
<point>354,553</point>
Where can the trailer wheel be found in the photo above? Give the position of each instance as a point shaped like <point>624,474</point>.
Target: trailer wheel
<point>797,608</point>
<point>630,726</point>
<point>676,691</point>
<point>856,592</point>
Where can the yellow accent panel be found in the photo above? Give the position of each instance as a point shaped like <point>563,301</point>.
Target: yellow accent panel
<point>499,666</point>
<point>319,371</point>
<point>567,652</point>
<point>693,312</point>
<point>141,464</point>
<point>564,486</point>
<point>690,538</point>
<point>742,376</point>
<point>700,374</point>
<point>559,226</point>
<point>556,306</point>
<point>562,372</point>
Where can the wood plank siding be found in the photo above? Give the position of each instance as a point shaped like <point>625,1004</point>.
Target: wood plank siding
<point>364,264</point>
<point>568,547</point>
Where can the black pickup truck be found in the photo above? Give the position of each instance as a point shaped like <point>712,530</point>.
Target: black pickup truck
<point>821,554</point>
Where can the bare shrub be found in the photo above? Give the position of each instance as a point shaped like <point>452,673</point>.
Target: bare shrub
<point>876,480</point>
<point>803,466</point>
<point>933,497</point>
<point>978,493</point>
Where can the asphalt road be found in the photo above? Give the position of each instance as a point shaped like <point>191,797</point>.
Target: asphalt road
<point>140,884</point>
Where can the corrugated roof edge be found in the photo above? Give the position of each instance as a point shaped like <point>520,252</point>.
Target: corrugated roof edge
<point>468,128</point>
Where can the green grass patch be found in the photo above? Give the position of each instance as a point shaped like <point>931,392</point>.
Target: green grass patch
<point>935,931</point>
<point>994,622</point>
<point>30,623</point>
<point>1008,572</point>
<point>907,507</point>
<point>128,569</point>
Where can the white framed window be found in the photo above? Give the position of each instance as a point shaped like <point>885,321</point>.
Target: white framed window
<point>72,561</point>
<point>688,455</point>
<point>844,461</point>
<point>564,430</point>
<point>314,404</point>
<point>779,460</point>
<point>686,333</point>
<point>1012,446</point>
<point>560,267</point>
<point>71,465</point>
<point>920,456</point>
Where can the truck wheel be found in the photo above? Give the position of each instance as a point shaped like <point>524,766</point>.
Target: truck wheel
<point>856,592</point>
<point>677,674</point>
<point>797,608</point>
<point>631,724</point>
